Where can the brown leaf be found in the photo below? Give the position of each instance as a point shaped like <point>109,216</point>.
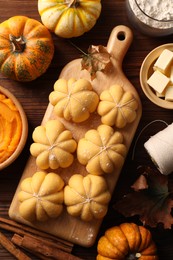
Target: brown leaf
<point>153,202</point>
<point>97,59</point>
<point>140,183</point>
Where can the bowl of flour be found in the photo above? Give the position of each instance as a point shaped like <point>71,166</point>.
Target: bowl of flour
<point>151,17</point>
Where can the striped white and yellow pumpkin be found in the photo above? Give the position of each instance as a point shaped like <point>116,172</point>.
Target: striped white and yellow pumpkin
<point>69,18</point>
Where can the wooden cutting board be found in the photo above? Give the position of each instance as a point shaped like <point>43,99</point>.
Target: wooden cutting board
<point>65,226</point>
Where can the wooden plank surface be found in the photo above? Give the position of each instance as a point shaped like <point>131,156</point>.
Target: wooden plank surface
<point>34,98</point>
<point>65,226</point>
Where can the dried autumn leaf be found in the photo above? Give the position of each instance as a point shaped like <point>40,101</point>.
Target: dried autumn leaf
<point>97,59</point>
<point>151,199</point>
<point>140,183</point>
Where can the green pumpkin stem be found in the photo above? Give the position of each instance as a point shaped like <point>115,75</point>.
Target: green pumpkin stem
<point>18,43</point>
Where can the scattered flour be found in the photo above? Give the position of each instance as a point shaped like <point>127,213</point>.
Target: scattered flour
<point>160,10</point>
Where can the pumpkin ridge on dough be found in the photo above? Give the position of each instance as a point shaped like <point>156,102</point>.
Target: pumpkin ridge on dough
<point>53,205</point>
<point>118,102</point>
<point>127,107</point>
<point>117,106</point>
<point>85,205</point>
<point>120,106</point>
<point>88,194</point>
<point>25,194</point>
<point>80,196</point>
<point>39,204</point>
<point>74,100</point>
<point>46,201</point>
<point>79,99</point>
<point>125,104</point>
<point>60,143</point>
<point>53,145</point>
<point>101,150</point>
<point>87,198</point>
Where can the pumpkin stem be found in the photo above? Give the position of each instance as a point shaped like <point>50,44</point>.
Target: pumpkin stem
<point>72,3</point>
<point>134,256</point>
<point>18,43</point>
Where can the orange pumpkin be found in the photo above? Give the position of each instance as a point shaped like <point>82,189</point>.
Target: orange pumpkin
<point>127,241</point>
<point>26,48</point>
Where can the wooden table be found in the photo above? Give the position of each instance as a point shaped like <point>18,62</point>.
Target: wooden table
<point>34,98</point>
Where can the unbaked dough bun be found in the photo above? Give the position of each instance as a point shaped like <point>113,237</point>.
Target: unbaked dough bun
<point>73,99</point>
<point>53,146</point>
<point>117,107</point>
<point>87,197</point>
<point>101,150</point>
<point>41,196</point>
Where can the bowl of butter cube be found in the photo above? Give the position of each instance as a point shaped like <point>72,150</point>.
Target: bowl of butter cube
<point>156,76</point>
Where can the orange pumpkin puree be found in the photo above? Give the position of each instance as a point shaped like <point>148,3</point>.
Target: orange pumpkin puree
<point>10,127</point>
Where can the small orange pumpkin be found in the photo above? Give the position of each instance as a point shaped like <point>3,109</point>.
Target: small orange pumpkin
<point>127,241</point>
<point>26,48</point>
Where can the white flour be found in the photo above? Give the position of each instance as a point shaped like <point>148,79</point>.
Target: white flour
<point>160,10</point>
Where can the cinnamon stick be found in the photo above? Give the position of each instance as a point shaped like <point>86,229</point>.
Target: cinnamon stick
<point>38,246</point>
<point>21,229</point>
<point>10,247</point>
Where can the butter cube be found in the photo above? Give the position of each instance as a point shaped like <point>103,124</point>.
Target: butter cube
<point>158,81</point>
<point>169,93</point>
<point>160,95</point>
<point>163,61</point>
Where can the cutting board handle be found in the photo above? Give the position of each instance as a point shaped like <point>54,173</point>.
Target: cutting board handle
<point>119,42</point>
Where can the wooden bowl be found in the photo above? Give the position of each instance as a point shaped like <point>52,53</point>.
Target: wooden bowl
<point>24,134</point>
<point>146,71</point>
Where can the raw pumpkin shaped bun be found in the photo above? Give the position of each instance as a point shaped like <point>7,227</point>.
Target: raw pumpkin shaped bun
<point>73,99</point>
<point>70,18</point>
<point>101,150</point>
<point>53,145</point>
<point>87,197</point>
<point>117,107</point>
<point>41,196</point>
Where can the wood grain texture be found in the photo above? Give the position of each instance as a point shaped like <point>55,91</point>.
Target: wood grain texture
<point>34,98</point>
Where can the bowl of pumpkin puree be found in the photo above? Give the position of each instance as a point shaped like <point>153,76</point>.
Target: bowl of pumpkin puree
<point>13,128</point>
